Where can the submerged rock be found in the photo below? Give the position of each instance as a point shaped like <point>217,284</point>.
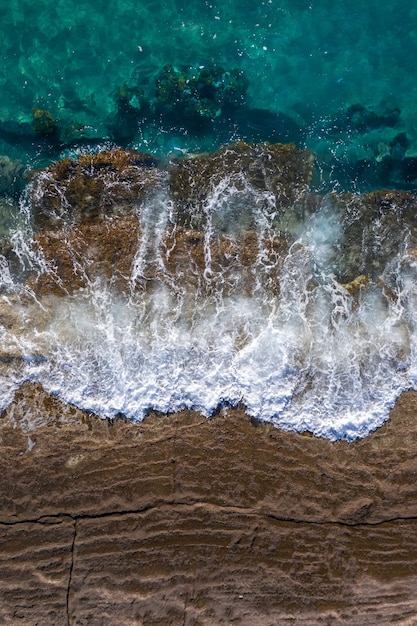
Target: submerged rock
<point>43,123</point>
<point>131,105</point>
<point>198,94</point>
<point>11,176</point>
<point>363,119</point>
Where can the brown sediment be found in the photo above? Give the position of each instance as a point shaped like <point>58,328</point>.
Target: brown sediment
<point>184,520</point>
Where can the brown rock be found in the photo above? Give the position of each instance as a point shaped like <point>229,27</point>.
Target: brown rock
<point>375,227</point>
<point>283,171</point>
<point>184,520</point>
<point>81,253</point>
<point>77,255</point>
<point>92,187</point>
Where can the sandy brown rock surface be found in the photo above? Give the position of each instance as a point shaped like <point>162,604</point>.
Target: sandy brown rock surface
<point>186,521</point>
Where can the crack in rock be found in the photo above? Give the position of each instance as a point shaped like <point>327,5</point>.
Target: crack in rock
<point>58,518</point>
<point>74,537</point>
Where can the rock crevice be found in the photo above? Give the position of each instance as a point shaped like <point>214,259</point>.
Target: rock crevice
<point>68,597</point>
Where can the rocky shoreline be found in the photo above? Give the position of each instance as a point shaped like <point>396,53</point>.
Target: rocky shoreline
<point>184,520</point>
<point>179,519</point>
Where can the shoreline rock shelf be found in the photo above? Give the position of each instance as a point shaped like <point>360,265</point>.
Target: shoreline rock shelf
<point>183,520</point>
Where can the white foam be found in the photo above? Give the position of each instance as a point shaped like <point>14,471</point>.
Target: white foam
<point>313,358</point>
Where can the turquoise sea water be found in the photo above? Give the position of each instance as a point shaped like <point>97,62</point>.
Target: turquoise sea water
<point>308,60</point>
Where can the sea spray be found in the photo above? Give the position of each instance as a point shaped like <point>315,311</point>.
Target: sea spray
<point>254,294</point>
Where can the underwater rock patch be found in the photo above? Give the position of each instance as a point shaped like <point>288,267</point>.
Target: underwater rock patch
<point>198,92</point>
<point>11,175</point>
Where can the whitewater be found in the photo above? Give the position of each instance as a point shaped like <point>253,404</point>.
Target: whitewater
<point>282,335</point>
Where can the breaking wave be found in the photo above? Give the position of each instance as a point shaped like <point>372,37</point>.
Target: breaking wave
<point>290,313</point>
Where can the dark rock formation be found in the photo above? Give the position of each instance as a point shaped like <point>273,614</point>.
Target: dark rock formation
<point>183,520</point>
<point>283,171</point>
<point>43,123</point>
<point>375,227</point>
<point>92,187</point>
<point>194,95</point>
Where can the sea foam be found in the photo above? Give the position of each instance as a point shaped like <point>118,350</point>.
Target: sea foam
<point>314,354</point>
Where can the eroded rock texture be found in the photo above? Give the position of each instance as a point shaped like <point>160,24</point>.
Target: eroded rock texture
<point>183,520</point>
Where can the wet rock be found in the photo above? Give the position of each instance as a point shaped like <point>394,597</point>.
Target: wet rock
<point>77,256</point>
<point>95,215</point>
<point>375,227</point>
<point>196,219</point>
<point>356,284</point>
<point>229,265</point>
<point>80,254</point>
<point>269,177</point>
<point>111,522</point>
<point>92,187</point>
